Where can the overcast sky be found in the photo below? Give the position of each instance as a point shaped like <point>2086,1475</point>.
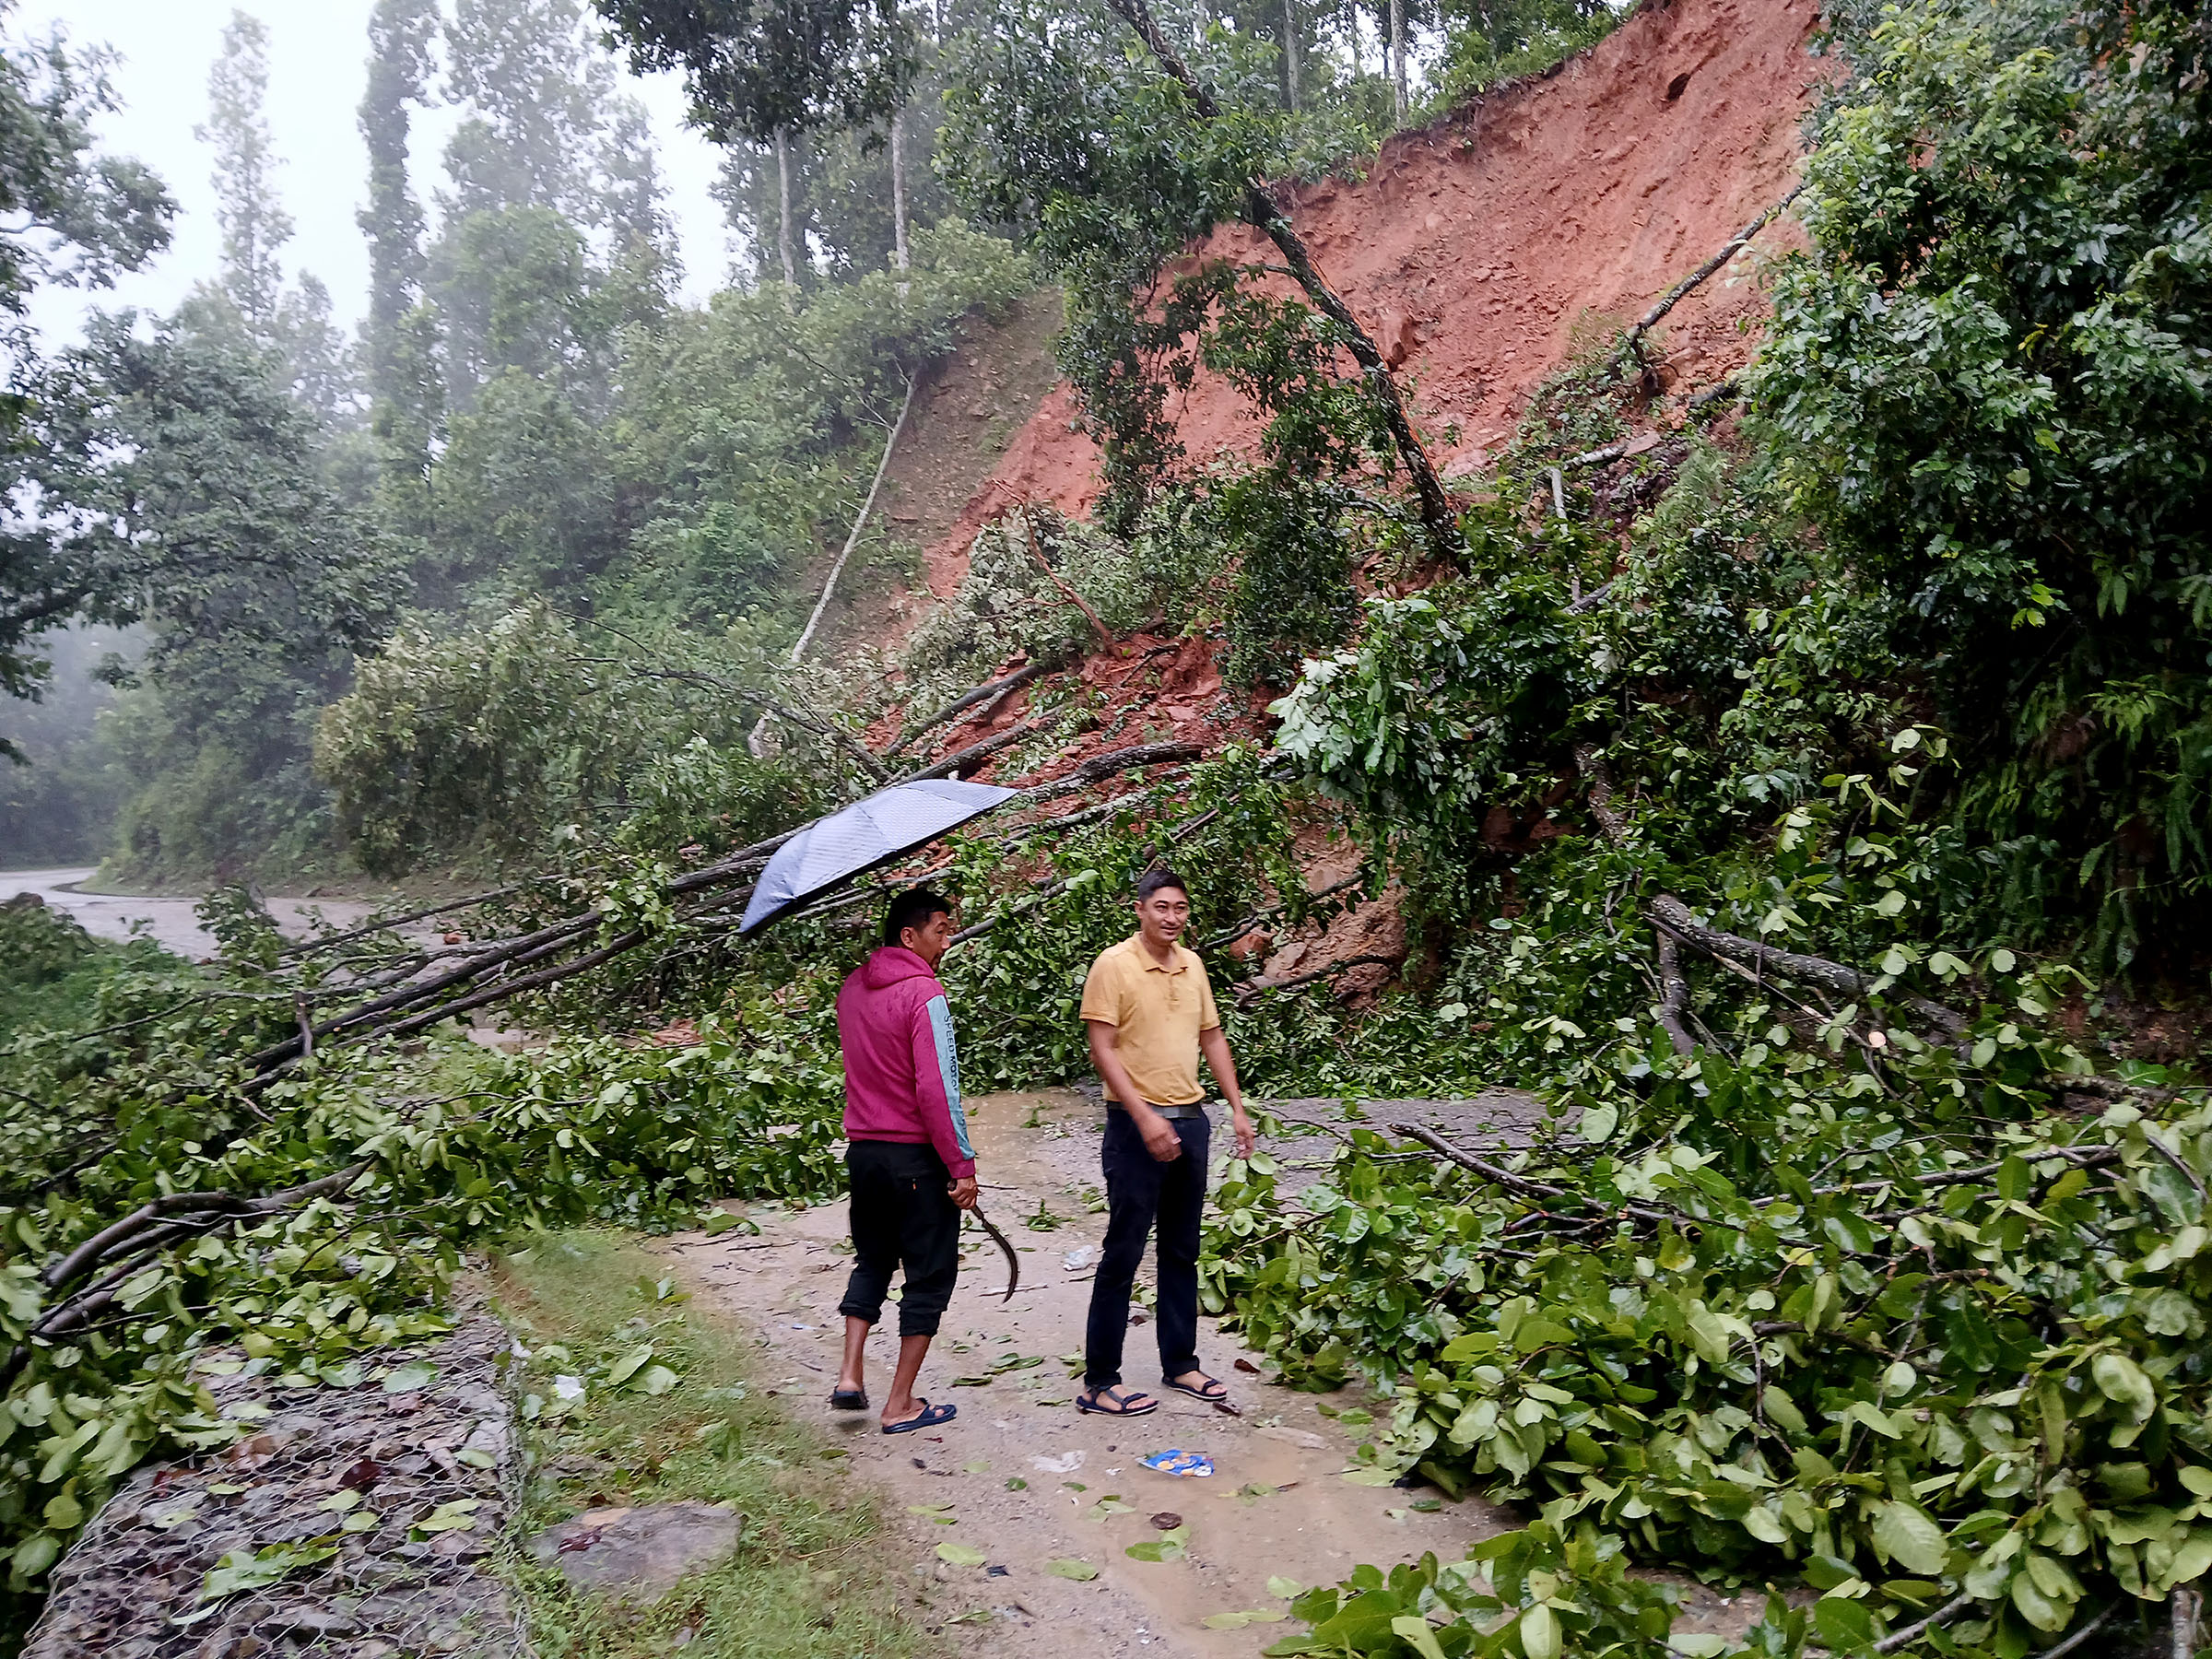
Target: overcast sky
<point>317,69</point>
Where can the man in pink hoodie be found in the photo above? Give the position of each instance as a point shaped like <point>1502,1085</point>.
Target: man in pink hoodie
<point>907,1153</point>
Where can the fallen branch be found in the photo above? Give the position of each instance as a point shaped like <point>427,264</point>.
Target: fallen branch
<point>1260,915</point>
<point>1098,625</point>
<point>385,924</point>
<point>1101,767</point>
<point>968,699</point>
<point>1592,765</point>
<point>1678,918</point>
<point>153,1227</point>
<point>974,752</point>
<point>1252,988</point>
<point>1674,997</point>
<point>859,522</point>
<point>1479,1166</point>
<point>1594,596</point>
<point>1737,245</point>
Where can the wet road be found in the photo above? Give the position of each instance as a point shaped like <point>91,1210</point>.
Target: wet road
<point>170,923</point>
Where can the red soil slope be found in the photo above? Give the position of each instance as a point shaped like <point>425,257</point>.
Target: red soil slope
<point>1473,247</point>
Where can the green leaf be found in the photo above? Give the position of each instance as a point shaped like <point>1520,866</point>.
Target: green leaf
<point>1842,1624</point>
<point>2125,1383</point>
<point>1067,1567</point>
<point>1418,1635</point>
<point>1238,1620</point>
<point>1908,1536</point>
<point>961,1555</point>
<point>1287,1588</point>
<point>2038,1609</point>
<point>406,1379</point>
<point>629,1365</point>
<point>458,1515</point>
<point>656,1380</point>
<point>253,1570</point>
<point>1539,1633</point>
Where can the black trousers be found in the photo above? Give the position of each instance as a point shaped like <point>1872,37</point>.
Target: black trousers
<point>901,1213</point>
<point>1141,1192</point>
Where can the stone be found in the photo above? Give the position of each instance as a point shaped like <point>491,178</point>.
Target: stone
<point>639,1549</point>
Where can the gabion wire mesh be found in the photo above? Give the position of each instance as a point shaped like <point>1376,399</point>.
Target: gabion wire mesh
<point>425,1478</point>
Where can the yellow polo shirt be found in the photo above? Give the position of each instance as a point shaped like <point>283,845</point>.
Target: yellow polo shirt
<point>1156,1013</point>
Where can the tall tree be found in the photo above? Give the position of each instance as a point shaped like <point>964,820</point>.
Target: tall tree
<point>758,67</point>
<point>536,90</point>
<point>67,216</point>
<point>1397,56</point>
<point>400,32</point>
<point>181,488</point>
<point>254,224</point>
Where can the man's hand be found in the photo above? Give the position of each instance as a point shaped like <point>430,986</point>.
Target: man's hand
<point>965,1193</point>
<point>1160,1138</point>
<point>1247,1140</point>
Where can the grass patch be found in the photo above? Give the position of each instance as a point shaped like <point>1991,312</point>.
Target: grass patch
<point>816,1574</point>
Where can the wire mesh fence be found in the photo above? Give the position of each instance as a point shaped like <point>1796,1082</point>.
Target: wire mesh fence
<point>352,1519</point>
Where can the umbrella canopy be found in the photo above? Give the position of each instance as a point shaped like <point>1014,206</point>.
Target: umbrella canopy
<point>863,835</point>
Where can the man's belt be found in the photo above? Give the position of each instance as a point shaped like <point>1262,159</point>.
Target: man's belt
<point>1197,1110</point>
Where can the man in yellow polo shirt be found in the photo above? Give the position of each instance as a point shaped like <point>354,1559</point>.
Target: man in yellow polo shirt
<point>1150,1013</point>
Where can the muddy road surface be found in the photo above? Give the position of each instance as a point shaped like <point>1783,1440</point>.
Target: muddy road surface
<point>1021,1479</point>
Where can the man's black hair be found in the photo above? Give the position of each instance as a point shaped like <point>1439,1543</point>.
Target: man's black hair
<point>912,908</point>
<point>1155,879</point>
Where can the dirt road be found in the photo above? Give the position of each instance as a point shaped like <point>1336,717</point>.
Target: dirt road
<point>1023,1479</point>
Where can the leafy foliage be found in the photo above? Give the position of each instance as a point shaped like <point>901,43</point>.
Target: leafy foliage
<point>433,1154</point>
<point>1831,1295</point>
<point>1989,381</point>
<point>513,736</point>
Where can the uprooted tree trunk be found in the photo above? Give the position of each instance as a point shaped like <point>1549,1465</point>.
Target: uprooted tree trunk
<point>1261,211</point>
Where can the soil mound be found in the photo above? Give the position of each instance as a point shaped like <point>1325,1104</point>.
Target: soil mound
<point>1472,248</point>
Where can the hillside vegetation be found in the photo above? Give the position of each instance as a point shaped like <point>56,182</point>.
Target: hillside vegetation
<point>1798,777</point>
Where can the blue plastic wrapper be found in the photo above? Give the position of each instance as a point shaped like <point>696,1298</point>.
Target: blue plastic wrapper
<point>1191,1466</point>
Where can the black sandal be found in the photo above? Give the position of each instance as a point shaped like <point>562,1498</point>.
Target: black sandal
<point>1123,1405</point>
<point>848,1399</point>
<point>929,1417</point>
<point>1212,1390</point>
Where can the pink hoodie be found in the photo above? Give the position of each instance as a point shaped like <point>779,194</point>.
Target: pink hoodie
<point>902,1077</point>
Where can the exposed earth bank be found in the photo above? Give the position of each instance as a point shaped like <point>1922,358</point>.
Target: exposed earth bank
<point>1473,247</point>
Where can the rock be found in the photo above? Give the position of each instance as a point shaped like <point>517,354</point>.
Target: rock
<point>645,1549</point>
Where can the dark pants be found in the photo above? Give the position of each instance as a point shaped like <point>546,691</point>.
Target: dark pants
<point>901,1213</point>
<point>1141,1190</point>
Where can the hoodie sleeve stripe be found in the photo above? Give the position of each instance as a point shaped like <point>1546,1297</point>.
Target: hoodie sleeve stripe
<point>948,1070</point>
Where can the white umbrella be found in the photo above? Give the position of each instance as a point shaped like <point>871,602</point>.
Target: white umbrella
<point>861,836</point>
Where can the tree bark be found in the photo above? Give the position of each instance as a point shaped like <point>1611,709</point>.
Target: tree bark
<point>989,692</point>
<point>1438,520</point>
<point>860,523</point>
<point>785,246</point>
<point>1397,55</point>
<point>1290,55</point>
<point>899,255</point>
<point>1352,13</point>
<point>1632,342</point>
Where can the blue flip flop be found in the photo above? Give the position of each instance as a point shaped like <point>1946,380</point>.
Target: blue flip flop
<point>928,1417</point>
